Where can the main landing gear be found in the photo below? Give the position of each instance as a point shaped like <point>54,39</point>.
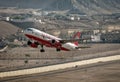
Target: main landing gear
<point>36,43</point>
<point>42,50</point>
<point>29,42</point>
<point>58,49</point>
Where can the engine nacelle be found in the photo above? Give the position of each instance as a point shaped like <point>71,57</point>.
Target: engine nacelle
<point>56,43</point>
<point>53,41</point>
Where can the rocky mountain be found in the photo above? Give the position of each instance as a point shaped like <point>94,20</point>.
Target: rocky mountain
<point>83,6</point>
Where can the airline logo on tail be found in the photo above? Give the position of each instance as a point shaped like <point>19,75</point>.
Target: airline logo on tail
<point>37,37</point>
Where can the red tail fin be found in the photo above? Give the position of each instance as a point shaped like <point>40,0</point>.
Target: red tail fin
<point>76,43</point>
<point>77,35</point>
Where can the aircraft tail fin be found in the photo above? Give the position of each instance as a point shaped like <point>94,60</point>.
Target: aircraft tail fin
<point>76,36</point>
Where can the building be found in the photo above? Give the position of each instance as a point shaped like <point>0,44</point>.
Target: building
<point>112,37</point>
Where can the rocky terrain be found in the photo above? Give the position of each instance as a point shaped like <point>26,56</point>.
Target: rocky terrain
<point>72,6</point>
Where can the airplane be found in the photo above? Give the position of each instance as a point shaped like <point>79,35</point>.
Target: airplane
<point>37,37</point>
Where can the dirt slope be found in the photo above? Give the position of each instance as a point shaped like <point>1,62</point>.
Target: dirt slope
<point>7,29</point>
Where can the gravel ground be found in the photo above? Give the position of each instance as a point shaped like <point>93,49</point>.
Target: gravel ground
<point>20,57</point>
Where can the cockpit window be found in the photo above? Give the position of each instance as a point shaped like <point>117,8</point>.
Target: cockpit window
<point>29,29</point>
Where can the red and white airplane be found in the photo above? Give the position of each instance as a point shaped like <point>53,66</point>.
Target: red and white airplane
<point>38,37</point>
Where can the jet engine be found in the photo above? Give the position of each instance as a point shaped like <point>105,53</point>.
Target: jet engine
<point>53,41</point>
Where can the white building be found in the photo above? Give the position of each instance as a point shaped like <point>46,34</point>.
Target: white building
<point>96,38</point>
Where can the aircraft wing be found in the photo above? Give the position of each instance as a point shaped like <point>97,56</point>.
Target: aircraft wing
<point>65,41</point>
<point>73,40</point>
<point>77,35</point>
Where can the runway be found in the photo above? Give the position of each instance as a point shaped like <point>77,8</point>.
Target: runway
<point>100,72</point>
<point>58,66</point>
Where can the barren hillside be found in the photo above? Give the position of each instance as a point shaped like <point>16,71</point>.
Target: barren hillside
<point>7,29</point>
<point>83,6</point>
